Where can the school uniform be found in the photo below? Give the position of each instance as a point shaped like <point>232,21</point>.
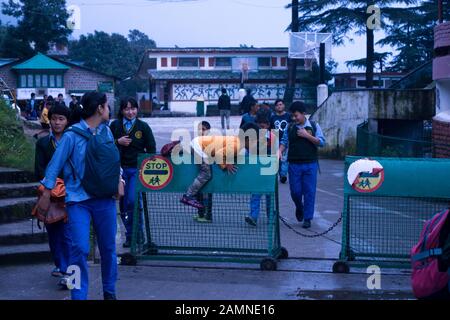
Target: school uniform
<point>82,207</point>
<point>303,166</point>
<point>143,141</point>
<point>59,239</point>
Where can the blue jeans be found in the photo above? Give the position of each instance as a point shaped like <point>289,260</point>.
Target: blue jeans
<point>303,183</point>
<point>59,241</point>
<point>255,204</point>
<point>103,213</point>
<point>126,203</point>
<point>284,164</point>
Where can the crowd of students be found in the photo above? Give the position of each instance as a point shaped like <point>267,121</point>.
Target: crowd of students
<point>83,132</point>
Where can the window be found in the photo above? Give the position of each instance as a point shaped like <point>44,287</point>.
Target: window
<point>283,62</point>
<point>274,61</point>
<point>264,62</point>
<point>52,81</point>
<point>30,81</point>
<point>163,62</point>
<point>23,81</point>
<point>188,62</point>
<point>59,81</point>
<point>223,62</point>
<point>37,80</point>
<point>44,81</point>
<point>152,63</point>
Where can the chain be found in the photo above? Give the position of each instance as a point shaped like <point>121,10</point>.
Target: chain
<point>311,235</point>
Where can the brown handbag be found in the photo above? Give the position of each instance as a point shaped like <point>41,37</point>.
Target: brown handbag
<point>57,210</point>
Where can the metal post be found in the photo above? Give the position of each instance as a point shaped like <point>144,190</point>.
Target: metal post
<point>440,13</point>
<point>322,63</point>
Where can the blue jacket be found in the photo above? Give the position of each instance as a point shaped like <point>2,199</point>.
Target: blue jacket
<point>71,146</point>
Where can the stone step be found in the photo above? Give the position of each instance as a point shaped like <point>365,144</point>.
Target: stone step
<point>8,175</point>
<point>22,232</point>
<point>17,190</point>
<point>25,254</point>
<point>16,209</point>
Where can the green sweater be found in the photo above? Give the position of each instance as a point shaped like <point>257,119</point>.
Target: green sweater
<point>142,138</point>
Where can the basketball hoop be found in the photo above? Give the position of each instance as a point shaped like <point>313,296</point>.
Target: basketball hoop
<point>244,71</point>
<point>306,46</point>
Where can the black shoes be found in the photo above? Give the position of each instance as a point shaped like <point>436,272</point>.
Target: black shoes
<point>307,224</point>
<point>299,214</point>
<point>283,179</point>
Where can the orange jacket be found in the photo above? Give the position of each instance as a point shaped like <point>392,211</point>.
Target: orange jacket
<point>220,147</point>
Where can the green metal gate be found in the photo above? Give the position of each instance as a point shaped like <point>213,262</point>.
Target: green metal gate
<point>381,227</point>
<point>171,233</point>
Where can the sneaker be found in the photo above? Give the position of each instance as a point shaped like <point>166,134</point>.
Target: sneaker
<point>299,214</point>
<point>283,179</point>
<point>307,224</point>
<point>63,282</point>
<point>250,221</point>
<point>109,296</point>
<point>202,219</point>
<point>57,273</point>
<point>191,202</point>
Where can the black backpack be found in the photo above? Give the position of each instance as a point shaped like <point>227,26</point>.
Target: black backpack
<point>102,164</point>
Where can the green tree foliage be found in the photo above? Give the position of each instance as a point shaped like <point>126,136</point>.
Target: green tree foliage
<point>343,18</point>
<point>39,23</point>
<point>16,149</point>
<point>380,61</point>
<point>114,54</point>
<point>411,33</point>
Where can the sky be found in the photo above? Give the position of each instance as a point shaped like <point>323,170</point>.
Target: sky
<point>203,23</point>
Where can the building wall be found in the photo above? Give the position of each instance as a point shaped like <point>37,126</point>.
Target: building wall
<point>340,115</point>
<point>8,76</point>
<point>441,75</point>
<point>441,135</point>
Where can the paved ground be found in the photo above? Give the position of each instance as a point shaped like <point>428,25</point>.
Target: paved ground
<point>305,275</point>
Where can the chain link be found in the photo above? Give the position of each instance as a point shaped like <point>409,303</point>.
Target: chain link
<point>311,235</point>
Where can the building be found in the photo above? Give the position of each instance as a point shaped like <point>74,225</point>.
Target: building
<point>357,80</point>
<point>44,75</point>
<point>441,76</point>
<point>179,77</point>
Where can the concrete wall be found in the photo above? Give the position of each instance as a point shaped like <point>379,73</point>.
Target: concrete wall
<point>339,116</point>
<point>343,111</point>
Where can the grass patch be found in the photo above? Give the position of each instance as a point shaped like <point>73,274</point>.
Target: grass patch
<point>16,149</point>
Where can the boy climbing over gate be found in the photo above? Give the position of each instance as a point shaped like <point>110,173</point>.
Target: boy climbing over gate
<point>215,149</point>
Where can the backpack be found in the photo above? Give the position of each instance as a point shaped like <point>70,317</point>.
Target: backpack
<point>426,277</point>
<point>102,164</point>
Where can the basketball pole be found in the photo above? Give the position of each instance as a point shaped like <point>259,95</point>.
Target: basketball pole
<point>322,63</point>
<point>292,63</point>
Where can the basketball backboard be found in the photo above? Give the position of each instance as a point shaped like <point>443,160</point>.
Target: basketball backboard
<point>306,45</point>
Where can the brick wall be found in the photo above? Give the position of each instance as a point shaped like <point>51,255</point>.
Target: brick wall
<point>441,139</point>
<point>81,79</point>
<point>8,76</point>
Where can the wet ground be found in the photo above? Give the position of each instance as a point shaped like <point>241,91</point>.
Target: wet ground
<point>307,274</point>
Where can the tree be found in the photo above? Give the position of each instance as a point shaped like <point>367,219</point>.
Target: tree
<point>39,23</point>
<point>342,17</point>
<point>380,58</point>
<point>114,54</point>
<point>411,32</point>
